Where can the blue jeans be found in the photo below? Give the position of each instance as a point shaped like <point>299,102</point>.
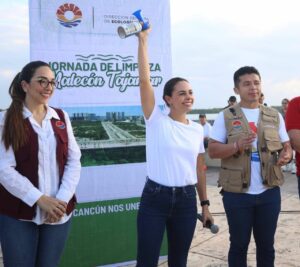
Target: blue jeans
<point>246,213</point>
<point>25,244</point>
<point>170,208</point>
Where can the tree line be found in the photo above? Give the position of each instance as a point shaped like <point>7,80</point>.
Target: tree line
<point>217,110</point>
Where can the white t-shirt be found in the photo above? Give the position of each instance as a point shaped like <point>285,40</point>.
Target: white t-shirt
<point>172,149</point>
<point>219,134</point>
<point>206,129</point>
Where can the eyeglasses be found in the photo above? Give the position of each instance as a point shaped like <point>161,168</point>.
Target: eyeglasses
<point>284,103</point>
<point>45,83</point>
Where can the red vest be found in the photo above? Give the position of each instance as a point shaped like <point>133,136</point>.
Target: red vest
<point>27,165</point>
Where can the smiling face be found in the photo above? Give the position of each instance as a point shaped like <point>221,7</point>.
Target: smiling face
<point>40,88</point>
<point>249,89</point>
<point>182,98</point>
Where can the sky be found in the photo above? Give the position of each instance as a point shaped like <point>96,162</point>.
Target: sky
<point>210,40</point>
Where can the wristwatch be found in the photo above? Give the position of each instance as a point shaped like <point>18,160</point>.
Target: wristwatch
<point>204,202</point>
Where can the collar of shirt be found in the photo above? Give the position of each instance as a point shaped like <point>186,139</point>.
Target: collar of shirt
<point>51,113</point>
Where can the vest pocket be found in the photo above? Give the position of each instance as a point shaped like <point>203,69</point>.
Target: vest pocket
<point>272,139</point>
<point>274,176</point>
<point>231,180</point>
<point>269,117</point>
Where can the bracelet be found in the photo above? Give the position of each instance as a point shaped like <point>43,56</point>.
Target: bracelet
<point>204,202</point>
<point>292,157</point>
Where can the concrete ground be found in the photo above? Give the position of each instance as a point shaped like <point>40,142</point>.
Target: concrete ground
<point>210,250</point>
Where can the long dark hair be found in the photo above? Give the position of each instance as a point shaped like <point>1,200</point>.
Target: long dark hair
<point>14,131</point>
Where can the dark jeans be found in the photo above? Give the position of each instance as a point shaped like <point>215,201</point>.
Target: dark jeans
<point>170,208</point>
<point>25,244</point>
<point>245,213</point>
<point>205,142</point>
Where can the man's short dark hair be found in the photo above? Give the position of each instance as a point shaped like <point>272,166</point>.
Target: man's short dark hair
<point>242,71</point>
<point>202,116</point>
<point>232,99</point>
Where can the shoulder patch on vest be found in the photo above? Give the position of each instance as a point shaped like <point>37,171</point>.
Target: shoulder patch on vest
<point>236,124</point>
<point>61,125</point>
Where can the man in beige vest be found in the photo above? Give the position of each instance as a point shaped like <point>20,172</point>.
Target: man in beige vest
<point>252,143</point>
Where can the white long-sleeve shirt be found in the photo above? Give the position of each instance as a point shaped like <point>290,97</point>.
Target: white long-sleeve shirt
<point>20,186</point>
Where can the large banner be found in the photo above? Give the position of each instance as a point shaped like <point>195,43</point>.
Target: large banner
<point>98,87</point>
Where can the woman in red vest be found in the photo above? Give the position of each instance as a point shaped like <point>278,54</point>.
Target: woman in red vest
<point>39,172</point>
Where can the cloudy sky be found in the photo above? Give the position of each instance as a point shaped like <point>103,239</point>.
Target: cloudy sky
<point>210,40</point>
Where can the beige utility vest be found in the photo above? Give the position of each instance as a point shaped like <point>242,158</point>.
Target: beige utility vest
<point>235,174</point>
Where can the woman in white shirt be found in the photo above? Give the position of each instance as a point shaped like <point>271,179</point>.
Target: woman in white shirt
<point>39,172</point>
<point>175,166</point>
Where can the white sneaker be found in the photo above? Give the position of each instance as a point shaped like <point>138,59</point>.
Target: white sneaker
<point>284,168</point>
<point>293,168</point>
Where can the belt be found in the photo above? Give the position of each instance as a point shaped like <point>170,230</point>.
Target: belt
<point>171,188</point>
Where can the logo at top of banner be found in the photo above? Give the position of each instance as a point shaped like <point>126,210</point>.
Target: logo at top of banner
<point>69,15</point>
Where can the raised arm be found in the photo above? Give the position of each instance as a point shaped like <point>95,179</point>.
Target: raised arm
<point>146,89</point>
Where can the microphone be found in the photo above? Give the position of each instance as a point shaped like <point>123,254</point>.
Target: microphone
<point>213,227</point>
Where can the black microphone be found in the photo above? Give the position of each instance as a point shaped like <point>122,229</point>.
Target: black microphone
<point>213,227</point>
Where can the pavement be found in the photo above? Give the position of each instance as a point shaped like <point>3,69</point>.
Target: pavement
<point>210,250</point>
